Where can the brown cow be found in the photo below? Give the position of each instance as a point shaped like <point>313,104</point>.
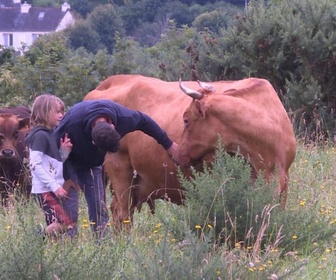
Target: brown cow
<point>14,125</point>
<point>247,114</point>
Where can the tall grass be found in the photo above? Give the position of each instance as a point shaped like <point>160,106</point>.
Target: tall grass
<point>228,229</point>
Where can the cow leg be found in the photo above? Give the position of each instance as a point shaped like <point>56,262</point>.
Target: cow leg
<point>282,188</point>
<point>120,173</point>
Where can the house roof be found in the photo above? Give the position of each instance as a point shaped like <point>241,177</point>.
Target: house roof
<point>38,19</point>
<point>8,3</point>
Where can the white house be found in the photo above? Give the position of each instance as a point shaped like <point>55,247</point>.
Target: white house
<point>21,24</point>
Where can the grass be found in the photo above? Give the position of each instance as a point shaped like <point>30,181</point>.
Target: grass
<point>298,243</point>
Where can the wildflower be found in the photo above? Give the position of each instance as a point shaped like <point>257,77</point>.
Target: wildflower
<point>251,264</point>
<point>198,226</point>
<point>294,237</point>
<point>126,221</point>
<point>274,277</point>
<point>8,227</point>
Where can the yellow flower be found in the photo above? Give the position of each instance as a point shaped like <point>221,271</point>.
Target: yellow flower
<point>303,202</point>
<point>8,227</point>
<point>198,226</point>
<point>126,221</point>
<point>294,237</point>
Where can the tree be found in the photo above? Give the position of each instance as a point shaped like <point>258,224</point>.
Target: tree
<point>82,35</point>
<point>106,22</point>
<point>85,7</point>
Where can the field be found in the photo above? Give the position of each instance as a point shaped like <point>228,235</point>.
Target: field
<point>298,243</point>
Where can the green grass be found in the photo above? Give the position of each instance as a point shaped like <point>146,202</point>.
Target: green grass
<point>298,243</point>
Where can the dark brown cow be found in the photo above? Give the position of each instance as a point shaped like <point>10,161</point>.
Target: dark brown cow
<point>247,114</point>
<point>14,125</point>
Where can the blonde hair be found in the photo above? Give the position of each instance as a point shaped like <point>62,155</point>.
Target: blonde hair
<point>43,105</point>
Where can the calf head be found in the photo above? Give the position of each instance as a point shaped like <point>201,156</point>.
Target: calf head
<point>10,125</point>
<point>11,142</point>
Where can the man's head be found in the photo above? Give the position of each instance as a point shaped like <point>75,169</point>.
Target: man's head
<point>105,137</point>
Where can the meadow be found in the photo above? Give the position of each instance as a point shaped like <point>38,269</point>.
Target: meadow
<point>225,231</point>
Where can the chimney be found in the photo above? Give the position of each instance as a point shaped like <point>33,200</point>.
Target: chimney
<point>65,7</point>
<point>25,8</point>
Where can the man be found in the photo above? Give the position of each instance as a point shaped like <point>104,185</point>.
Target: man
<point>95,127</point>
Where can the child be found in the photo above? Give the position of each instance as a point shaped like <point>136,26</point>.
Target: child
<point>46,162</point>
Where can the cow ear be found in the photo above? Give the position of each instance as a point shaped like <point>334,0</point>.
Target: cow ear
<point>24,123</point>
<point>201,109</point>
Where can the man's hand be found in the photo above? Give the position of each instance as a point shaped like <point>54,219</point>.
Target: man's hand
<point>174,153</point>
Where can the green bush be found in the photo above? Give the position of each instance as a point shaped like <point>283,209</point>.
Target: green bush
<point>225,203</point>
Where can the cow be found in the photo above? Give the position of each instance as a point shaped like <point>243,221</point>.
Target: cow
<point>14,125</point>
<point>247,114</point>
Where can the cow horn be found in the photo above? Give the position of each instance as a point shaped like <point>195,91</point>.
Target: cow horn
<point>192,93</point>
<point>206,86</point>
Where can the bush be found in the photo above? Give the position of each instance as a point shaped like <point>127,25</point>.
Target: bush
<point>224,203</point>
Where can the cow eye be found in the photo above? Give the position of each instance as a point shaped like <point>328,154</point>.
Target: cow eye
<point>16,135</point>
<point>2,136</point>
<point>186,123</point>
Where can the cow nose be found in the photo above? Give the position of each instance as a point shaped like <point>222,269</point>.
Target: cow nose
<point>7,153</point>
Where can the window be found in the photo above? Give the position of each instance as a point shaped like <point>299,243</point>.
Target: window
<point>8,40</point>
<point>41,15</point>
<point>35,36</point>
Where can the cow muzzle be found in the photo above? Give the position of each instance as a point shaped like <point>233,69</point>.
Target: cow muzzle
<point>7,153</point>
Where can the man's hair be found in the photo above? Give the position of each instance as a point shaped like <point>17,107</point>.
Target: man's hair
<point>106,137</point>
